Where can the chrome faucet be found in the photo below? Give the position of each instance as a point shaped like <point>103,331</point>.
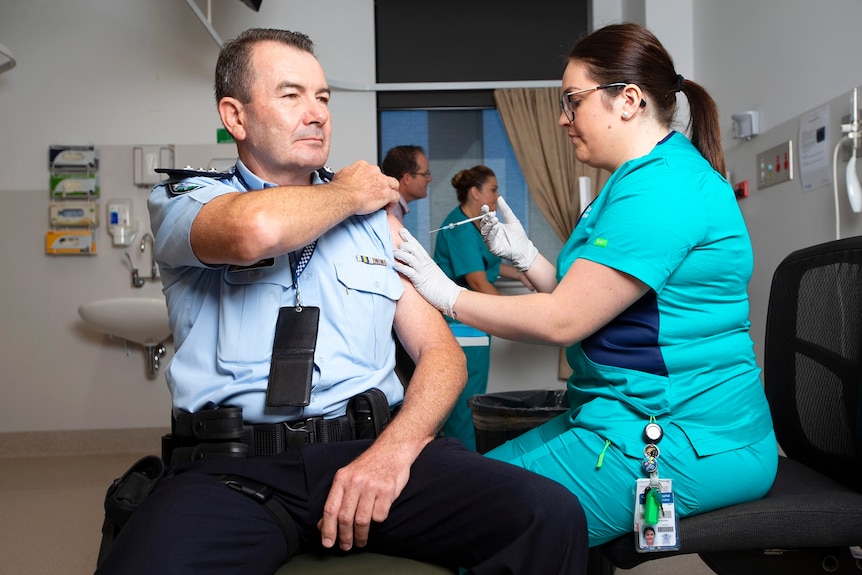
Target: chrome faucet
<point>137,280</point>
<point>153,268</point>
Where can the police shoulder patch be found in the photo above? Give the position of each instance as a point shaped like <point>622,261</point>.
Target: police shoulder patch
<point>182,188</point>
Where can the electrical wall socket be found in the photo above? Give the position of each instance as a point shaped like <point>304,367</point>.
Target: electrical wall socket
<point>775,165</point>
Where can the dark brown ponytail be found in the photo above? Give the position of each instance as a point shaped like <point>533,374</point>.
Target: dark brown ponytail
<point>630,53</point>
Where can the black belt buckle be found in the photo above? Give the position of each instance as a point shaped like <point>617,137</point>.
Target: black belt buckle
<point>272,439</point>
<point>297,433</point>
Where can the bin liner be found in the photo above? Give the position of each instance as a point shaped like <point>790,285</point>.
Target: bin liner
<point>498,417</point>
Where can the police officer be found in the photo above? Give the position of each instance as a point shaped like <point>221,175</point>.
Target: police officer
<point>282,299</point>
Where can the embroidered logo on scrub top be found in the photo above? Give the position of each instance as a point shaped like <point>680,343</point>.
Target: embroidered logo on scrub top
<point>371,261</point>
<point>600,243</point>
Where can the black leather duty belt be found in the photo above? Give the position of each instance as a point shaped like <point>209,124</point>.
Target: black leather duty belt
<point>222,433</point>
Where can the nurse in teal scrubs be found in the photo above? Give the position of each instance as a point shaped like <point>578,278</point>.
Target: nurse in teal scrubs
<point>463,256</point>
<point>649,297</point>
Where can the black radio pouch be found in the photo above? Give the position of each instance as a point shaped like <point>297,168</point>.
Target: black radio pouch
<point>369,412</point>
<point>125,495</point>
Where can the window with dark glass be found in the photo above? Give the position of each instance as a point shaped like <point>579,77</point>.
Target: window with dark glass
<point>456,42</point>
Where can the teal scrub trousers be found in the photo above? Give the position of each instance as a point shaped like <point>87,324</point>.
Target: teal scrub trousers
<point>606,490</point>
<point>460,422</point>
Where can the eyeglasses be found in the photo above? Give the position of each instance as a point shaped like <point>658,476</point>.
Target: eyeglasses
<point>566,98</point>
<point>424,174</point>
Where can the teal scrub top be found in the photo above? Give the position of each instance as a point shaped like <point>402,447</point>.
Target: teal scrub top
<point>683,352</point>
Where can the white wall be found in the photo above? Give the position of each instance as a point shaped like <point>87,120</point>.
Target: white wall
<point>116,74</point>
<point>780,57</point>
<point>126,72</point>
<point>783,58</point>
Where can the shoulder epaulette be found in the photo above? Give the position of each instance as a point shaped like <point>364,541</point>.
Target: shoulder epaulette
<point>180,174</point>
<point>176,177</point>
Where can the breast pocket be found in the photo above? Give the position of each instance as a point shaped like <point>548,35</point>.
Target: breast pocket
<point>368,294</point>
<point>248,311</point>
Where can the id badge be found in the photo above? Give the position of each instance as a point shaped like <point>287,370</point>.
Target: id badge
<point>655,519</point>
<point>293,357</point>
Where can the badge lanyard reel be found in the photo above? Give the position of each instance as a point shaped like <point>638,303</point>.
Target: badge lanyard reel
<point>655,513</point>
<point>293,347</point>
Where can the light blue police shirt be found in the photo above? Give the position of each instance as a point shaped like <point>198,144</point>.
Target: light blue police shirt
<point>223,322</point>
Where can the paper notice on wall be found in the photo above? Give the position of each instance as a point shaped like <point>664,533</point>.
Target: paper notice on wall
<point>814,152</point>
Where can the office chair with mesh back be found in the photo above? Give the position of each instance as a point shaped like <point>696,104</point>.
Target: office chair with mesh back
<point>812,374</point>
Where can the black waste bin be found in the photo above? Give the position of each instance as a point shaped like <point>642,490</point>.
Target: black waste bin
<point>498,417</point>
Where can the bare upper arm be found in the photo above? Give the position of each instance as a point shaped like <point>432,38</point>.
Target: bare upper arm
<point>419,326</point>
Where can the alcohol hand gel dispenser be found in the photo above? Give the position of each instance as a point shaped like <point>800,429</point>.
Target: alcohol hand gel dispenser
<point>120,223</point>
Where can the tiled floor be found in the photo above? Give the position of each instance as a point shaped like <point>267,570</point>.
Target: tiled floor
<point>51,516</point>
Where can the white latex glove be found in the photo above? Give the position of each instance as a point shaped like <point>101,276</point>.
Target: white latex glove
<point>507,240</point>
<point>416,265</point>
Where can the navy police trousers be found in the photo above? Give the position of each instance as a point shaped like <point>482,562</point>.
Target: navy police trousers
<point>459,509</point>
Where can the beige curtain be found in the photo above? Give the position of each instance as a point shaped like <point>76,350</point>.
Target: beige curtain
<point>545,154</point>
<point>547,160</point>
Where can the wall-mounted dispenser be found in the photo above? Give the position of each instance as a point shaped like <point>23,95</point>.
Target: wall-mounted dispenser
<point>146,159</point>
<point>121,225</point>
<point>746,125</point>
<point>74,214</point>
<point>70,242</point>
<point>74,211</point>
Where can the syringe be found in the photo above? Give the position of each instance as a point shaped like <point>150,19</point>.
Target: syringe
<point>453,224</point>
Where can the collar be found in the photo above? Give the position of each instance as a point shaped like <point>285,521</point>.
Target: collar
<point>252,182</point>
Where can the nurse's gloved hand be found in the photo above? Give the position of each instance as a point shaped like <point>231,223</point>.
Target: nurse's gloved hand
<point>507,239</point>
<point>416,265</point>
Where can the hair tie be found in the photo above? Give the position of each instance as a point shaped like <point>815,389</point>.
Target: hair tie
<point>679,82</point>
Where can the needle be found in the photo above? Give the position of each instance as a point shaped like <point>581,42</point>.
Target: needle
<point>453,224</point>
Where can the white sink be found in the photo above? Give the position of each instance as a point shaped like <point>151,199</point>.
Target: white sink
<point>137,319</point>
